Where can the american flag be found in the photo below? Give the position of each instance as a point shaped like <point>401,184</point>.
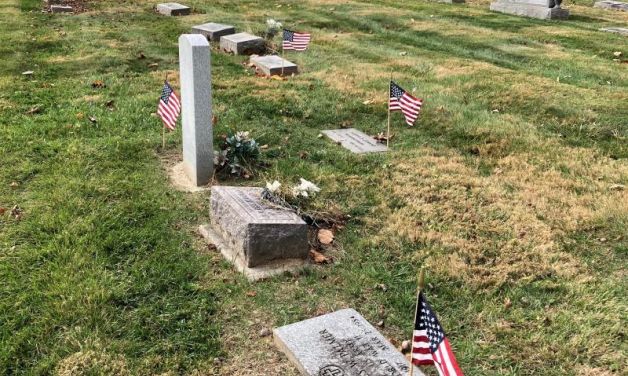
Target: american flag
<point>295,41</point>
<point>429,343</point>
<point>169,106</point>
<point>400,100</point>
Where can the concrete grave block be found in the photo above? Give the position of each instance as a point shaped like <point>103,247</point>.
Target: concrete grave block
<point>608,4</point>
<point>242,44</point>
<point>213,31</point>
<point>530,8</point>
<point>173,9</point>
<point>273,65</point>
<point>356,141</point>
<point>452,1</point>
<point>61,8</point>
<point>341,343</point>
<point>196,108</point>
<point>259,238</point>
<point>617,30</point>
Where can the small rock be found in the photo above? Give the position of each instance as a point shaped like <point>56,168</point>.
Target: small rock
<point>265,332</point>
<point>406,346</point>
<point>28,73</point>
<point>381,324</point>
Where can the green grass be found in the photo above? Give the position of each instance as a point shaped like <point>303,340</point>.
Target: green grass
<point>502,190</point>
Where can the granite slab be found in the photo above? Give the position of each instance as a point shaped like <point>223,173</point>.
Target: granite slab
<point>173,9</point>
<point>55,8</point>
<point>341,343</point>
<point>609,4</point>
<point>617,30</point>
<point>258,232</point>
<point>273,65</point>
<point>529,10</point>
<point>213,31</point>
<point>242,44</point>
<point>355,140</point>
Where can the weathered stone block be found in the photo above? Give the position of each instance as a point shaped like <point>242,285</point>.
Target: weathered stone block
<point>258,232</point>
<point>354,140</point>
<point>242,44</point>
<point>617,30</point>
<point>173,9</point>
<point>530,9</point>
<point>61,8</point>
<point>273,65</point>
<point>213,31</point>
<point>608,4</point>
<point>341,343</point>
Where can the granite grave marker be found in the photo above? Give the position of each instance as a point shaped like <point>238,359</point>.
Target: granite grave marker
<point>260,239</point>
<point>617,30</point>
<point>213,31</point>
<point>273,65</point>
<point>609,4</point>
<point>543,9</point>
<point>356,141</point>
<point>173,9</point>
<point>196,108</point>
<point>242,44</point>
<point>341,343</point>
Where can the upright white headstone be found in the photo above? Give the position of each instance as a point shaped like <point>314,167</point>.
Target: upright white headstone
<point>196,101</point>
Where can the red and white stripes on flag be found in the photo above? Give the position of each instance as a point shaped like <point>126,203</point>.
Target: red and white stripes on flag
<point>169,107</point>
<point>295,41</point>
<point>430,346</point>
<point>400,100</point>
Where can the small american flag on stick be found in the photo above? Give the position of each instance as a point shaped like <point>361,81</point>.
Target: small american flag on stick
<point>295,41</point>
<point>400,100</point>
<point>429,343</point>
<point>169,106</point>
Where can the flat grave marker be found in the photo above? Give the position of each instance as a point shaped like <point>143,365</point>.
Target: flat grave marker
<point>542,9</point>
<point>273,65</point>
<point>341,343</point>
<point>173,9</point>
<point>609,4</point>
<point>56,8</point>
<point>242,44</point>
<point>260,239</point>
<point>356,141</point>
<point>617,30</point>
<point>213,31</point>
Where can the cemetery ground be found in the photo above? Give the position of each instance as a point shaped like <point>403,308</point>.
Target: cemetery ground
<point>511,188</point>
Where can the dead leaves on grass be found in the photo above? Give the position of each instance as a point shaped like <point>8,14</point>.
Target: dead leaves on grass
<point>320,258</point>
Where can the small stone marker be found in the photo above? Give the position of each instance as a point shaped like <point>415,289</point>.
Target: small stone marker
<point>341,343</point>
<point>452,1</point>
<point>273,65</point>
<point>242,44</point>
<point>618,30</point>
<point>213,31</point>
<point>261,240</point>
<point>356,141</point>
<point>173,9</point>
<point>61,8</point>
<point>543,9</point>
<point>608,4</point>
<point>196,108</point>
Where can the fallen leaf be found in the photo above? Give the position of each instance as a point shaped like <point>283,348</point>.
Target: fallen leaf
<point>251,294</point>
<point>153,65</point>
<point>33,110</point>
<point>264,147</point>
<point>109,104</point>
<point>16,212</point>
<point>304,154</point>
<point>14,184</point>
<point>28,73</point>
<point>98,84</point>
<point>617,53</point>
<point>278,78</point>
<point>325,236</point>
<point>319,258</point>
<point>382,138</point>
<point>368,101</point>
<point>2,210</point>
<point>403,53</point>
<point>507,303</point>
<point>141,56</point>
<point>214,120</point>
<point>92,119</point>
<point>617,187</point>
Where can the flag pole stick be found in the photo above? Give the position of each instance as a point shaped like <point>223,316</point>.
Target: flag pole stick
<point>388,128</point>
<point>416,308</point>
<point>163,126</point>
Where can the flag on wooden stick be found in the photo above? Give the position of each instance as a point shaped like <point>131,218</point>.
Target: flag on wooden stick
<point>295,41</point>
<point>429,343</point>
<point>400,100</point>
<point>169,106</point>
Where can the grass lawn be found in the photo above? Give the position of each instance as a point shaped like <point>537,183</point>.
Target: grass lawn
<point>511,189</point>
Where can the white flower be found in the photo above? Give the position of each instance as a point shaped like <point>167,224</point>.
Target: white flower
<point>273,25</point>
<point>273,187</point>
<point>242,136</point>
<point>305,189</point>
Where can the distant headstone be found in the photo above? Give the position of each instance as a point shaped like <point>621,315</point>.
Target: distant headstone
<point>609,4</point>
<point>617,30</point>
<point>356,141</point>
<point>173,9</point>
<point>273,65</point>
<point>213,31</point>
<point>259,238</point>
<point>543,9</point>
<point>61,8</point>
<point>196,108</point>
<point>452,1</point>
<point>242,44</point>
<point>341,343</point>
